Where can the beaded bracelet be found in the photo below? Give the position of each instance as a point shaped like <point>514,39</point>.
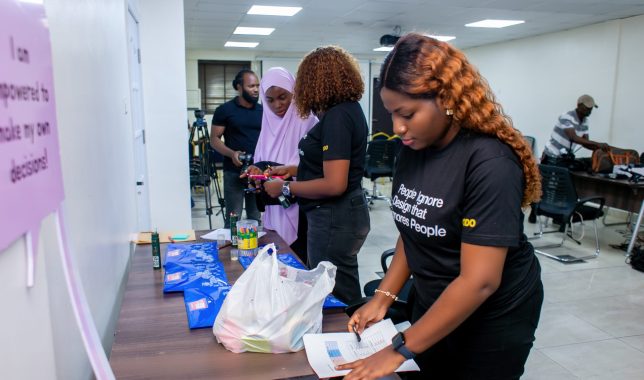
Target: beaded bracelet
<point>387,293</point>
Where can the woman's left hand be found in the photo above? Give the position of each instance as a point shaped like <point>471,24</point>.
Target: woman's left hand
<point>382,363</point>
<point>273,187</point>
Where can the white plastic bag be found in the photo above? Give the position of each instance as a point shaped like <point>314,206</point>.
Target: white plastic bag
<point>272,306</point>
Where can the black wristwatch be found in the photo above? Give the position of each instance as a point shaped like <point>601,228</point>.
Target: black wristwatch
<point>398,343</point>
<point>286,189</point>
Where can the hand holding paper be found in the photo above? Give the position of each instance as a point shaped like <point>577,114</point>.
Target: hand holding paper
<point>326,352</point>
<point>382,363</point>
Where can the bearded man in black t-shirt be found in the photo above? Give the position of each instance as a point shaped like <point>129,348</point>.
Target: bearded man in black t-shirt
<point>239,121</point>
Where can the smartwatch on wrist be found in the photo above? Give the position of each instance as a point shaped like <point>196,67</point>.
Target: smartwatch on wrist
<point>286,189</point>
<point>398,343</point>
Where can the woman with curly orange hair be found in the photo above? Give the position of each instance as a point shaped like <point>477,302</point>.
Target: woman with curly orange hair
<point>332,159</point>
<point>463,175</point>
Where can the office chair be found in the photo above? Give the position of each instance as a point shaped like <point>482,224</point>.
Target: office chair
<point>560,202</point>
<point>401,309</point>
<point>380,160</point>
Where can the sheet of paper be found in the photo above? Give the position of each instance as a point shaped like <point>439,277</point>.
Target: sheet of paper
<point>325,351</point>
<point>212,235</point>
<point>402,326</point>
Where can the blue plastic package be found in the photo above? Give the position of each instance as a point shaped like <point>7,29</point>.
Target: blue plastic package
<point>179,278</point>
<point>177,256</point>
<point>245,261</point>
<point>203,305</point>
<point>192,253</point>
<point>216,268</point>
<point>290,260</point>
<point>332,303</point>
<point>285,258</point>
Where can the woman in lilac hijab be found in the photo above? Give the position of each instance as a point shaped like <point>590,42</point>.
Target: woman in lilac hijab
<point>282,129</point>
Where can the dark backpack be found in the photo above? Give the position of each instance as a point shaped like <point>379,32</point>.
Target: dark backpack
<point>636,259</point>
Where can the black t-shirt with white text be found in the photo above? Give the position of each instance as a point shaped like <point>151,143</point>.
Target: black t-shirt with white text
<point>468,192</point>
<point>341,134</point>
<point>242,127</point>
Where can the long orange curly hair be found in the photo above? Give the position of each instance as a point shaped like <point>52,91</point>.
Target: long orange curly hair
<point>423,67</point>
<point>327,76</point>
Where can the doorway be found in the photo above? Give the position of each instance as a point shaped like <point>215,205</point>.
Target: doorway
<point>138,124</point>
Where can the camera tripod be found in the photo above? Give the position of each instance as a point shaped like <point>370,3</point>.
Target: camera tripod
<point>203,171</point>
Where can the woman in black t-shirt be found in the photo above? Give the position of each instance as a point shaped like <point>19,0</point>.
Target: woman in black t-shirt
<point>332,159</point>
<point>462,177</point>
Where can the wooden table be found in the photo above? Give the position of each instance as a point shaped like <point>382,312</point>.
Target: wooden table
<point>153,340</point>
<point>619,193</point>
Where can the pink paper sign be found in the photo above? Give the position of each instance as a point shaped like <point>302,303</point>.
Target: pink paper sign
<point>31,183</point>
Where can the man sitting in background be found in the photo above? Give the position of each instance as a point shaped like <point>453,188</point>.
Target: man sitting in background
<point>571,130</point>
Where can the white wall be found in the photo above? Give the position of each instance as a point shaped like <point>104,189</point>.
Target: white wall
<point>536,79</point>
<point>627,125</point>
<point>39,338</point>
<point>26,334</point>
<point>164,89</point>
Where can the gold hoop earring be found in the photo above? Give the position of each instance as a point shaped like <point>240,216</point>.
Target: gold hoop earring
<point>449,112</point>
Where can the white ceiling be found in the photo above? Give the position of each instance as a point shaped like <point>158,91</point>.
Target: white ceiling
<point>357,25</point>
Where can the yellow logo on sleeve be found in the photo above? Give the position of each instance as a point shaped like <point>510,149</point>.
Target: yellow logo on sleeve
<point>469,222</point>
<point>325,148</point>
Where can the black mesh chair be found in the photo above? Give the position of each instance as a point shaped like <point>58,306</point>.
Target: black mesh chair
<point>381,154</point>
<point>371,286</point>
<point>560,202</point>
<point>401,309</point>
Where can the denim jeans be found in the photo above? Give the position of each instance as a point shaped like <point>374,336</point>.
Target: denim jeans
<point>234,196</point>
<point>337,230</point>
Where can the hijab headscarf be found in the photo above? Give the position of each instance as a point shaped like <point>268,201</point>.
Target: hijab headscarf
<point>278,142</point>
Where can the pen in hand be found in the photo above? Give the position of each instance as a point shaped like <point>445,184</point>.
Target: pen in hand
<point>355,331</point>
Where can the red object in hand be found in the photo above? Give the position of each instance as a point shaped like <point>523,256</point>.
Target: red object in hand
<point>264,177</point>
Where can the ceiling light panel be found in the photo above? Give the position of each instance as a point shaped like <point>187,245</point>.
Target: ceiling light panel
<point>442,38</point>
<point>494,23</point>
<point>384,48</point>
<point>254,31</point>
<point>273,11</point>
<point>241,44</point>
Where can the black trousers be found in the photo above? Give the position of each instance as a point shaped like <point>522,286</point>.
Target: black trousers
<point>235,197</point>
<point>495,348</point>
<point>299,246</point>
<point>336,232</point>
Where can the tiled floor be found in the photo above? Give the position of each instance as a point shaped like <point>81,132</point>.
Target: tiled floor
<point>592,321</point>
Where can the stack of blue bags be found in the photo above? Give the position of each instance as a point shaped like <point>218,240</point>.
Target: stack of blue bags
<point>195,270</point>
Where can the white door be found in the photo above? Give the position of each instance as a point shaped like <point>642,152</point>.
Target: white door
<point>138,125</point>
